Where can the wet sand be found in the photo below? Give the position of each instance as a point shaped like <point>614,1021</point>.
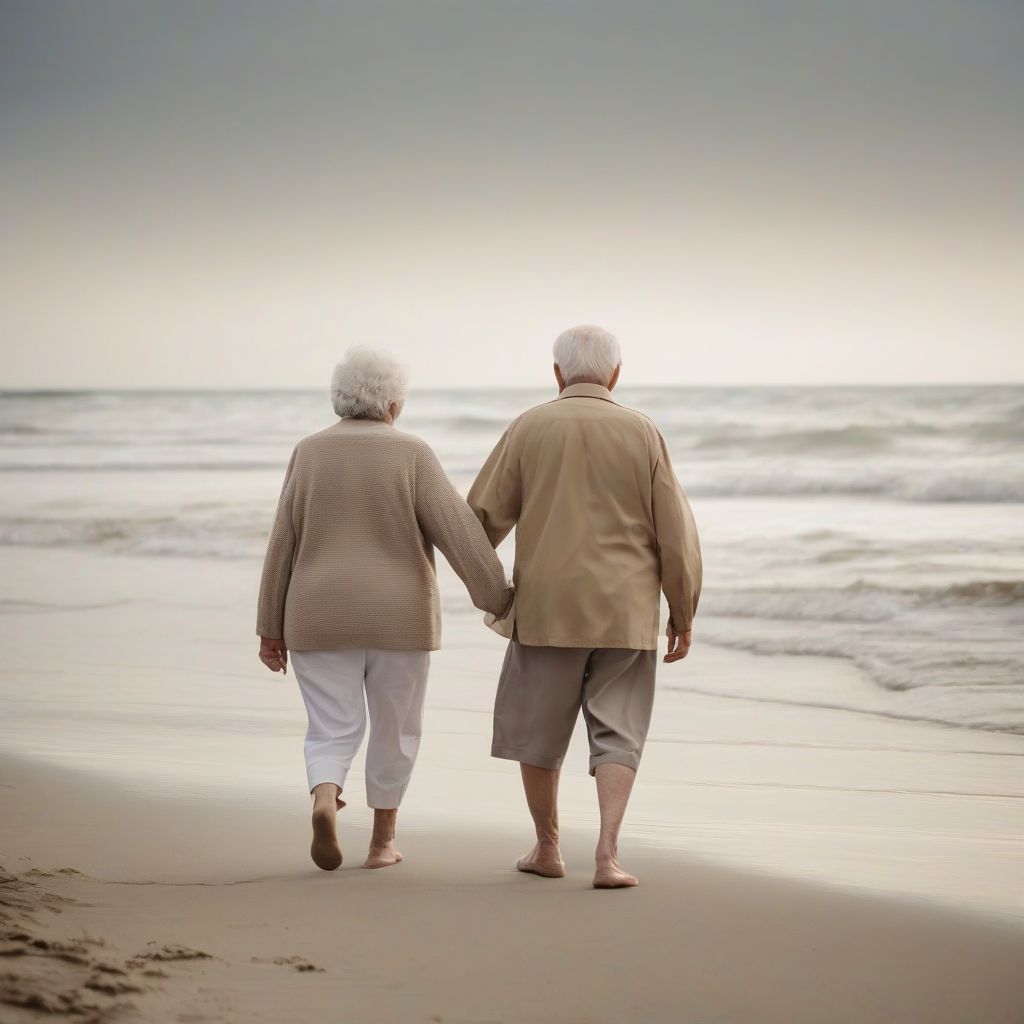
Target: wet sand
<point>798,863</point>
<point>118,905</point>
<point>144,671</point>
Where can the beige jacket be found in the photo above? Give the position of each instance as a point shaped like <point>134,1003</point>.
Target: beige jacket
<point>350,560</point>
<point>602,525</point>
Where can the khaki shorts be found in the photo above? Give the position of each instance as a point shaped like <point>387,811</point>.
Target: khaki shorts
<point>542,690</point>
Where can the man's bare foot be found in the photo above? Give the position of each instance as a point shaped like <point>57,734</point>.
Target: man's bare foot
<point>545,859</point>
<point>609,875</point>
<point>383,857</point>
<point>325,849</point>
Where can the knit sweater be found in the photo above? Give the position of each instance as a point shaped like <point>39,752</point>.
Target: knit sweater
<point>350,560</point>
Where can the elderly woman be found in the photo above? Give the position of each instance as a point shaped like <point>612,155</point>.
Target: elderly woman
<point>349,593</point>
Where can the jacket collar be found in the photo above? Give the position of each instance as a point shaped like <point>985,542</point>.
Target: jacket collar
<point>587,391</point>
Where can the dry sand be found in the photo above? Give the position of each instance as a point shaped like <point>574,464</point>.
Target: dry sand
<point>119,906</point>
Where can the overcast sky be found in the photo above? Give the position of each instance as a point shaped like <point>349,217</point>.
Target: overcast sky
<point>213,193</point>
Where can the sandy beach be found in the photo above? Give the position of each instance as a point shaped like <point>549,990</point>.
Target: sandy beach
<point>117,905</point>
<point>769,250</point>
<point>796,863</point>
<point>143,671</point>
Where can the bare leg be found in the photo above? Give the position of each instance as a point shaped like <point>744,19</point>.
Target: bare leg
<point>325,851</point>
<point>382,843</point>
<point>614,784</point>
<point>541,786</point>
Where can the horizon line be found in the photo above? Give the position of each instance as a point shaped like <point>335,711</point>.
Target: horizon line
<point>302,389</point>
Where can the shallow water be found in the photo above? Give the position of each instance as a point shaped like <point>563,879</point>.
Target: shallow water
<point>883,525</point>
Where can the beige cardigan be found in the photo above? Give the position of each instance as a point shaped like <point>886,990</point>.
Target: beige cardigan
<point>602,525</point>
<point>350,559</point>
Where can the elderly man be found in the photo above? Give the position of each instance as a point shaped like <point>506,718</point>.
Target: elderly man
<point>602,527</point>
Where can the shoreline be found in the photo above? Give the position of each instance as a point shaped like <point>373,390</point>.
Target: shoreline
<point>218,897</point>
<point>144,670</point>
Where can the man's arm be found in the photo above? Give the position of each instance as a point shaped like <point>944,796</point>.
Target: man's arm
<point>496,494</point>
<point>679,548</point>
<point>277,564</point>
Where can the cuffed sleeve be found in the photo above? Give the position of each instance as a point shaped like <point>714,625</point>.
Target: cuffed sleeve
<point>496,494</point>
<point>678,543</point>
<point>277,564</point>
<point>450,525</point>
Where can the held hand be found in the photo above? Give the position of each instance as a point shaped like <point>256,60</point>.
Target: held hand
<point>678,644</point>
<point>274,654</point>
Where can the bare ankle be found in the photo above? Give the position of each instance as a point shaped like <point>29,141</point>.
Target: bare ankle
<point>385,821</point>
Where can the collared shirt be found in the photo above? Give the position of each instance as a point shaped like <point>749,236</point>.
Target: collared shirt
<point>602,525</point>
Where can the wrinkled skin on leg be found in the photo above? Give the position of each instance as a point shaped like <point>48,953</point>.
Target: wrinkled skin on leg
<point>541,787</point>
<point>382,853</point>
<point>614,785</point>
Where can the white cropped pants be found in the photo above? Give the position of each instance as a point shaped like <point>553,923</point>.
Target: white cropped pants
<point>337,687</point>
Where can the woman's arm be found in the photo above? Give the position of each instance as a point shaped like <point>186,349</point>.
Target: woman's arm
<point>449,524</point>
<point>277,565</point>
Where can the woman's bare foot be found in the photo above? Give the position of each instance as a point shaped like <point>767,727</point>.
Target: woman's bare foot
<point>545,859</point>
<point>609,874</point>
<point>382,843</point>
<point>383,857</point>
<point>325,850</point>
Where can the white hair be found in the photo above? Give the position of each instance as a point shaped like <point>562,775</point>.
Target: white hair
<point>365,383</point>
<point>587,351</point>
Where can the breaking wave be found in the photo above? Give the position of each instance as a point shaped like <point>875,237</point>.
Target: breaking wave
<point>858,602</point>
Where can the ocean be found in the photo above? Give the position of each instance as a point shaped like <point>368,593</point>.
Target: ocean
<point>879,525</point>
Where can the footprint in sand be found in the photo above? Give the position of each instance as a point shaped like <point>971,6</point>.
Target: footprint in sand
<point>69,976</point>
<point>167,954</point>
<point>297,963</point>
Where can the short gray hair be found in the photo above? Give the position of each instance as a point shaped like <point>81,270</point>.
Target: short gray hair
<point>587,351</point>
<point>365,383</point>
